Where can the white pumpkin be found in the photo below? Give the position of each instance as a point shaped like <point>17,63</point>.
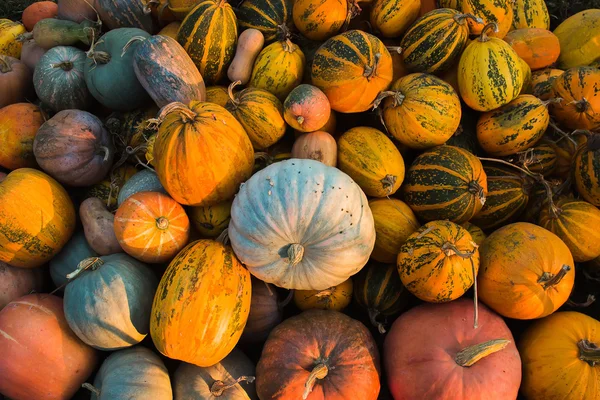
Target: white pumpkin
<point>301,224</point>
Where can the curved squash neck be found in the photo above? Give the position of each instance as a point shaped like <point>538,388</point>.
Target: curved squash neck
<point>468,356</point>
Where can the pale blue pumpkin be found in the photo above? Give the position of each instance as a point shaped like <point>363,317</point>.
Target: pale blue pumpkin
<point>143,181</point>
<point>76,250</point>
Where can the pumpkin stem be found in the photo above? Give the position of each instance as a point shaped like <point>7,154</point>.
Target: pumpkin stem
<point>470,355</point>
<point>582,105</point>
<point>92,262</point>
<point>105,150</point>
<point>287,299</point>
<point>25,37</point>
<point>162,223</point>
<point>553,100</point>
<point>219,387</point>
<point>300,119</point>
<point>354,10</point>
<point>64,65</point>
<point>235,101</point>
<point>372,71</point>
<point>325,292</point>
<point>284,32</point>
<point>450,249</point>
<point>394,49</point>
<point>589,352</point>
<point>91,388</point>
<point>295,253</point>
<point>186,114</point>
<point>483,37</point>
<point>548,280</point>
<point>4,65</point>
<point>475,295</point>
<point>388,183</point>
<point>590,300</point>
<point>476,189</point>
<point>131,42</point>
<point>223,238</point>
<point>320,371</point>
<point>462,18</point>
<point>263,156</point>
<point>398,98</point>
<point>289,46</point>
<point>373,314</point>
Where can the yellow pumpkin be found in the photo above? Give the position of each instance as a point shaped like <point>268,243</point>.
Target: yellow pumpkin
<point>530,14</point>
<point>579,38</point>
<point>334,298</point>
<point>394,223</point>
<point>391,18</point>
<point>319,19</point>
<point>499,12</point>
<point>211,221</point>
<point>217,94</point>
<point>9,32</point>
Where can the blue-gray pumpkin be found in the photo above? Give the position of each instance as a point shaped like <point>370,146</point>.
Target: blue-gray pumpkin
<point>108,303</point>
<point>109,71</point>
<point>143,181</point>
<point>125,14</point>
<point>76,250</point>
<point>59,79</point>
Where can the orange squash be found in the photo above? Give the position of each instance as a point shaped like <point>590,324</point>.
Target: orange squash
<point>18,125</point>
<point>306,108</point>
<point>211,221</point>
<point>151,227</point>
<point>319,146</point>
<point>319,19</point>
<point>335,298</point>
<point>497,11</point>
<point>394,223</point>
<point>526,271</point>
<point>541,82</point>
<point>538,47</point>
<point>580,105</point>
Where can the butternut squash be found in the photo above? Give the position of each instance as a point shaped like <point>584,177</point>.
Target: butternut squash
<point>250,43</point>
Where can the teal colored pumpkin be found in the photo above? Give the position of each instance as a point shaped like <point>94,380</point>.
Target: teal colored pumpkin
<point>76,250</point>
<point>109,73</point>
<point>59,79</point>
<point>108,304</point>
<point>135,373</point>
<point>143,181</point>
<point>125,14</point>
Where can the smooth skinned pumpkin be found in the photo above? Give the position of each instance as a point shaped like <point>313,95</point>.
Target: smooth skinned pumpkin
<point>16,282</point>
<point>218,95</point>
<point>66,261</point>
<point>335,298</point>
<point>306,108</point>
<point>530,14</point>
<point>392,18</point>
<point>16,82</point>
<point>579,39</point>
<point>498,12</point>
<point>539,48</point>
<point>318,146</point>
<point>268,16</point>
<point>319,20</point>
<point>38,11</point>
<point>394,223</point>
<point>125,14</point>
<point>541,82</point>
<point>580,104</point>
<point>18,125</point>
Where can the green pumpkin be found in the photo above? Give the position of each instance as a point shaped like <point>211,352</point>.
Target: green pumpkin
<point>108,304</point>
<point>109,73</point>
<point>76,250</point>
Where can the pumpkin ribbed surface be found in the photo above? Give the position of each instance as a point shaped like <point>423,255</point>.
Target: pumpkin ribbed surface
<point>541,159</point>
<point>490,11</point>
<point>391,18</point>
<point>319,19</point>
<point>580,104</point>
<point>586,170</point>
<point>394,223</point>
<point>446,183</point>
<point>211,221</point>
<point>265,15</point>
<point>205,276</point>
<point>541,82</point>
<point>530,14</point>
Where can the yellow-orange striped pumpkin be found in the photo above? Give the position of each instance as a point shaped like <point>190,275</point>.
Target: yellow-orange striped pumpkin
<point>580,105</point>
<point>391,18</point>
<point>268,16</point>
<point>394,223</point>
<point>211,221</point>
<point>530,14</point>
<point>499,12</point>
<point>541,82</point>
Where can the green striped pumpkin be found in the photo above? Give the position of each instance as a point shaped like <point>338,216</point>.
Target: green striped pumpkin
<point>209,35</point>
<point>508,194</point>
<point>453,4</point>
<point>586,170</point>
<point>378,289</point>
<point>435,41</point>
<point>541,159</point>
<point>446,182</point>
<point>530,14</point>
<point>268,16</point>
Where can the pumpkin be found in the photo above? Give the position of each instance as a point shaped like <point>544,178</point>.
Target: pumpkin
<point>76,10</point>
<point>268,16</point>
<point>372,160</point>
<point>37,12</point>
<point>37,218</point>
<point>379,290</point>
<point>319,20</point>
<point>166,71</point>
<point>278,68</point>
<point>143,181</point>
<point>203,277</point>
<point>446,182</point>
<point>476,232</point>
<point>475,364</point>
<point>421,111</point>
<point>560,355</point>
<point>18,126</point>
<point>92,301</point>
<point>170,30</point>
<point>74,147</point>
<point>125,14</point>
<point>580,104</point>
<point>513,127</point>
<point>398,67</point>
<point>15,79</point>
<point>260,113</point>
<point>352,86</point>
<point>305,255</point>
<point>181,8</point>
<point>451,4</point>
<point>108,189</point>
<point>9,32</point>
<point>579,37</point>
<point>335,298</point>
<point>59,79</point>
<point>66,261</point>
<point>209,35</point>
<point>306,108</point>
<point>223,156</point>
<point>538,47</point>
<point>586,170</point>
<point>394,223</point>
<point>16,282</point>
<point>318,145</point>
<point>465,136</point>
<point>498,12</point>
<point>489,73</point>
<point>530,14</point>
<point>533,279</point>
<point>527,85</point>
<point>41,357</point>
<point>541,159</point>
<point>566,149</point>
<point>266,312</point>
<point>117,380</point>
<point>218,95</point>
<point>541,82</point>
<point>211,221</point>
<point>319,354</point>
<point>392,18</point>
<point>152,227</point>
<point>230,379</point>
<point>31,54</point>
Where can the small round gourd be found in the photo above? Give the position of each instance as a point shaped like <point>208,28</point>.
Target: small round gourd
<point>306,108</point>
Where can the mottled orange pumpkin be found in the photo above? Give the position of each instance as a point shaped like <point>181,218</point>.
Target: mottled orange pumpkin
<point>580,106</point>
<point>541,82</point>
<point>319,19</point>
<point>306,108</point>
<point>18,125</point>
<point>538,47</point>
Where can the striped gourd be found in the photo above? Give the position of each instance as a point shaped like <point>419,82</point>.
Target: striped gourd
<point>268,16</point>
<point>453,4</point>
<point>476,232</point>
<point>439,262</point>
<point>527,87</point>
<point>514,127</point>
<point>499,12</point>
<point>421,111</point>
<point>217,94</point>
<point>541,82</point>
<point>378,289</point>
<point>435,41</point>
<point>586,170</point>
<point>391,18</point>
<point>125,14</point>
<point>372,160</point>
<point>508,193</point>
<point>319,19</point>
<point>351,69</point>
<point>489,73</point>
<point>576,223</point>
<point>541,159</point>
<point>446,182</point>
<point>209,35</point>
<point>579,89</point>
<point>530,14</point>
<point>211,221</point>
<point>278,68</point>
<point>394,223</point>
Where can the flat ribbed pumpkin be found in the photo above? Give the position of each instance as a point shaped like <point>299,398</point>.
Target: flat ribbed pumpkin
<point>268,16</point>
<point>203,278</point>
<point>586,170</point>
<point>351,69</point>
<point>211,221</point>
<point>319,19</point>
<point>334,298</point>
<point>530,14</point>
<point>421,111</point>
<point>202,153</point>
<point>579,37</point>
<point>260,113</point>
<point>394,223</point>
<point>439,262</point>
<point>446,182</point>
<point>392,18</point>
<point>580,106</point>
<point>541,82</point>
<point>489,73</point>
<point>372,160</point>
<point>538,47</point>
<point>514,127</point>
<point>209,35</point>
<point>499,12</point>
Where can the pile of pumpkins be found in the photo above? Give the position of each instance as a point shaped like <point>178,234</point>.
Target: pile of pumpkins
<point>299,199</point>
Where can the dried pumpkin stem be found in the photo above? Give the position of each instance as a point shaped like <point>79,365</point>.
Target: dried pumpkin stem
<point>295,253</point>
<point>475,296</point>
<point>235,101</point>
<point>470,355</point>
<point>589,352</point>
<point>64,65</point>
<point>450,249</point>
<point>394,49</point>
<point>284,32</point>
<point>219,387</point>
<point>25,37</point>
<point>325,292</point>
<point>287,300</point>
<point>91,388</point>
<point>162,223</point>
<point>373,314</point>
<point>372,71</point>
<point>484,37</point>
<point>92,262</point>
<point>462,18</point>
<point>477,189</point>
<point>590,300</point>
<point>582,105</point>
<point>548,280</point>
<point>320,371</point>
<point>4,65</point>
<point>131,42</point>
<point>397,95</point>
<point>223,238</point>
<point>184,111</point>
<point>388,183</point>
<point>288,46</point>
<point>104,150</point>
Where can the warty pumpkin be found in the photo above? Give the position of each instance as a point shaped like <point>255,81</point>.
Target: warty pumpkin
<point>539,48</point>
<point>9,33</point>
<point>351,69</point>
<point>394,223</point>
<point>530,281</point>
<point>318,146</point>
<point>211,221</point>
<point>204,276</point>
<point>16,81</point>
<point>223,156</point>
<point>499,12</point>
<point>266,312</point>
<point>446,182</point>
<point>268,16</point>
<point>18,125</point>
<point>306,108</point>
<point>319,20</point>
<point>335,298</point>
<point>392,18</point>
<point>530,14</point>
<point>586,170</point>
<point>17,282</point>
<point>372,160</point>
<point>579,37</point>
<point>580,104</point>
<point>280,201</point>
<point>541,82</point>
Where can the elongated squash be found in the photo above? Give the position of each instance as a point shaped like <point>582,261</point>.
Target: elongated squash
<point>579,37</point>
<point>530,14</point>
<point>392,18</point>
<point>9,32</point>
<point>268,16</point>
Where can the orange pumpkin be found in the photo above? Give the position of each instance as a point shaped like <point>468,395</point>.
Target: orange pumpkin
<point>394,223</point>
<point>151,227</point>
<point>580,105</point>
<point>476,232</point>
<point>319,146</point>
<point>538,47</point>
<point>498,11</point>
<point>18,125</point>
<point>541,82</point>
<point>37,12</point>
<point>306,108</point>
<point>319,19</point>
<point>335,298</point>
